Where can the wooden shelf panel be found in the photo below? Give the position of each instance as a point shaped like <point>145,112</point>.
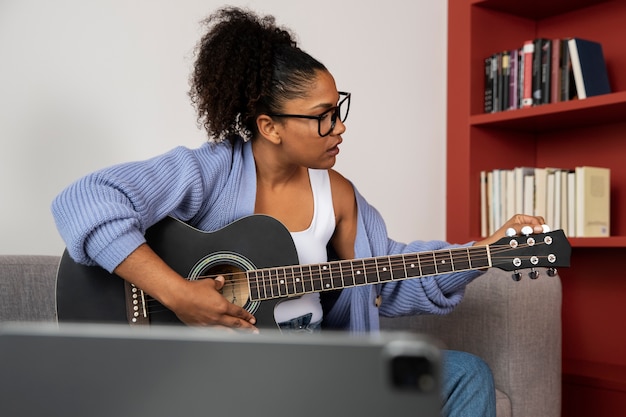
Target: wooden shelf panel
<point>591,242</point>
<point>535,9</point>
<point>605,109</point>
<point>598,242</point>
<point>595,374</point>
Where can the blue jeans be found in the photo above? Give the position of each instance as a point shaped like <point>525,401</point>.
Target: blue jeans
<point>467,386</point>
<point>301,324</point>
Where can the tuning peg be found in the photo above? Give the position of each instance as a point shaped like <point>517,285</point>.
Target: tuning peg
<point>551,272</point>
<point>517,276</point>
<point>527,230</point>
<point>510,232</point>
<point>545,228</point>
<point>533,274</point>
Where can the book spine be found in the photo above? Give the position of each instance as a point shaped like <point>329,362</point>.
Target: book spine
<point>527,58</point>
<point>546,70</point>
<point>566,72</point>
<point>514,76</point>
<point>578,76</point>
<point>505,79</point>
<point>555,72</point>
<point>488,85</point>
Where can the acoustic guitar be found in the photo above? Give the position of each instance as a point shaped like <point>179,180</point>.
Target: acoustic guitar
<point>258,259</point>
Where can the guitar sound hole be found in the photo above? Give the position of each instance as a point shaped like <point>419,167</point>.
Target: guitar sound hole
<point>235,288</point>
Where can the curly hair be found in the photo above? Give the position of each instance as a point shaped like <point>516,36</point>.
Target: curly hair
<point>246,66</point>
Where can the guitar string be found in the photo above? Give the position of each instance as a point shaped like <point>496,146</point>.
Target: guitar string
<point>394,262</point>
<point>372,266</point>
<point>398,262</point>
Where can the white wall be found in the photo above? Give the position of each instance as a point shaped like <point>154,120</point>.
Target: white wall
<point>86,84</point>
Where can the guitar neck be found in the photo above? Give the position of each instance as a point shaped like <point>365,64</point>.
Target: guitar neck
<point>291,280</point>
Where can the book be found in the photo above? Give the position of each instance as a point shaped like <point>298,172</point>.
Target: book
<point>527,61</point>
<point>551,199</point>
<point>563,201</point>
<point>484,219</point>
<point>545,70</point>
<point>489,74</point>
<point>513,79</point>
<point>529,194</point>
<point>568,87</point>
<point>537,71</point>
<point>555,71</point>
<point>571,203</point>
<point>505,75</point>
<point>592,201</point>
<point>541,175</point>
<point>589,68</point>
<point>520,174</point>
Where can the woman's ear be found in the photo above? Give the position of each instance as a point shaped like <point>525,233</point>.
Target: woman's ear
<point>268,128</point>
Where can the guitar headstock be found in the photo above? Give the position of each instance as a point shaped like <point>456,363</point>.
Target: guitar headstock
<point>549,250</point>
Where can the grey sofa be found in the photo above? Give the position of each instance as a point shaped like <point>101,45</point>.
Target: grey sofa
<point>514,326</point>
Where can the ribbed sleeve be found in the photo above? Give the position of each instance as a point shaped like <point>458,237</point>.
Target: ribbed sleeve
<point>102,217</point>
<point>355,309</point>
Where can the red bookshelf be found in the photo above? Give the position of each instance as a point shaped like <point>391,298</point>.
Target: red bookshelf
<point>564,134</point>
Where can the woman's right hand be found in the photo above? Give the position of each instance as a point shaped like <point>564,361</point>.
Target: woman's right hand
<point>201,303</point>
<point>197,302</point>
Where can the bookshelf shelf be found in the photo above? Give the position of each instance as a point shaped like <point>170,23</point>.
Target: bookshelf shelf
<point>535,9</point>
<point>608,108</point>
<point>598,242</point>
<point>564,134</point>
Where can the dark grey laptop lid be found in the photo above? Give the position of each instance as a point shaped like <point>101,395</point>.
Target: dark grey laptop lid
<point>112,371</point>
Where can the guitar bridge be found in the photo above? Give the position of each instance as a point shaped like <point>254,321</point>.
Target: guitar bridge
<point>136,310</point>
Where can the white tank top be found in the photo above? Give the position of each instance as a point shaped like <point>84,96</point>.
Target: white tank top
<point>311,247</point>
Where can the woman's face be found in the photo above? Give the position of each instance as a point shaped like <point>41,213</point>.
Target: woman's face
<point>300,137</point>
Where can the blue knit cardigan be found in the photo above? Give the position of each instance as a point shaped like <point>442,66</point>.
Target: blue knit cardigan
<point>103,218</point>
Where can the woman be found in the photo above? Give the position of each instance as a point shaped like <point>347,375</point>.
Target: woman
<point>275,119</point>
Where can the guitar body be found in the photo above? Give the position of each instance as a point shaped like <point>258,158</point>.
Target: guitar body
<point>91,294</point>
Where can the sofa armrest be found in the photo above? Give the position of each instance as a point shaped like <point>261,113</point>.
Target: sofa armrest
<point>28,287</point>
<point>515,327</point>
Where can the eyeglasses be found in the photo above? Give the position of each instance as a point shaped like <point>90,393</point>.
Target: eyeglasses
<point>326,121</point>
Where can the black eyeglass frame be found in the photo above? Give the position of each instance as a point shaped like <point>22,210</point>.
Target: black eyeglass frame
<point>319,118</point>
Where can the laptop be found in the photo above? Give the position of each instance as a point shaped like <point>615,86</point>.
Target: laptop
<point>79,370</point>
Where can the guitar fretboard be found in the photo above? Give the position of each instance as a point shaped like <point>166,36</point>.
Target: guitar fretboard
<point>292,280</point>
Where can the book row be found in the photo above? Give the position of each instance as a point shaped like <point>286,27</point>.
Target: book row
<point>577,201</point>
<point>544,71</point>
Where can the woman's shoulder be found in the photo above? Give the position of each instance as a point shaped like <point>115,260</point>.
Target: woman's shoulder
<point>339,182</point>
<point>344,198</point>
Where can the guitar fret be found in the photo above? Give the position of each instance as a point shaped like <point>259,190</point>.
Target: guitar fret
<point>479,257</point>
<point>307,278</point>
<point>269,283</point>
<point>253,285</point>
<point>426,261</point>
<point>347,272</point>
<point>461,259</point>
<point>383,267</point>
<point>326,277</point>
<point>443,261</point>
<point>371,275</point>
<point>360,275</point>
<point>412,265</point>
<point>290,284</point>
<point>398,267</point>
<point>297,276</point>
<point>336,275</point>
<point>316,270</point>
